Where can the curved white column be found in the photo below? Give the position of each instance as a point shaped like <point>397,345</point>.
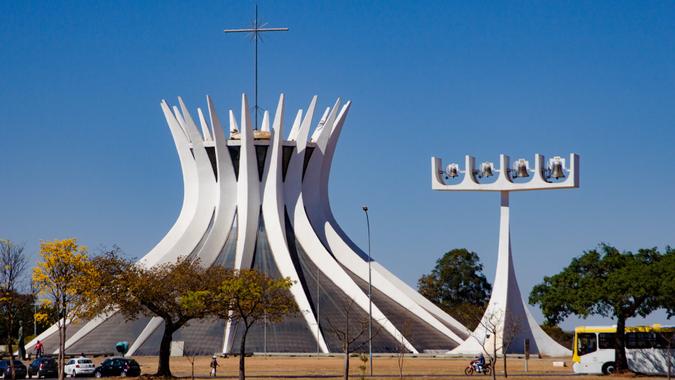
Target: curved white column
<point>248,193</point>
<point>227,193</point>
<point>273,214</point>
<point>293,134</point>
<point>190,191</point>
<point>249,199</point>
<point>312,244</point>
<point>206,196</point>
<point>293,183</point>
<point>311,185</point>
<point>206,133</point>
<point>181,121</point>
<point>201,198</point>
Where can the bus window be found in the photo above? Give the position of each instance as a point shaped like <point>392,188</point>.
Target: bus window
<point>586,343</point>
<point>661,340</point>
<point>637,340</point>
<point>606,341</point>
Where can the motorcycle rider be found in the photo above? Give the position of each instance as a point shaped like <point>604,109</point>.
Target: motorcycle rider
<point>479,363</point>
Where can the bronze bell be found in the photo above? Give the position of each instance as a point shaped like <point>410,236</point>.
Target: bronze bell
<point>486,169</point>
<point>452,171</point>
<point>557,168</point>
<point>521,168</point>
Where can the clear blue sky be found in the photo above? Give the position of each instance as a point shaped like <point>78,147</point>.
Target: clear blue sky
<point>85,151</point>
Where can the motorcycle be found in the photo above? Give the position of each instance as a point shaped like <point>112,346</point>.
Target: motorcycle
<point>485,369</point>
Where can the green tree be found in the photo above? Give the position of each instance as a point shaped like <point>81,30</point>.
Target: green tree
<point>457,285</point>
<point>667,295</point>
<point>249,296</point>
<point>610,283</point>
<point>177,292</point>
<point>23,314</point>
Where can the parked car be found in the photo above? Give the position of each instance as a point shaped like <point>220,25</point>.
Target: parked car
<point>43,367</point>
<point>6,370</point>
<point>118,367</point>
<point>79,366</point>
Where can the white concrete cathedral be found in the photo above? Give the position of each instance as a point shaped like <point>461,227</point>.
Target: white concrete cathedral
<point>256,199</point>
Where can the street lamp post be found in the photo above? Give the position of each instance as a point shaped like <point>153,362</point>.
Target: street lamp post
<point>370,297</point>
<point>318,310</point>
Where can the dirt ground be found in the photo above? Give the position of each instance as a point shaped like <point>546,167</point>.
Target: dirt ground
<point>271,367</point>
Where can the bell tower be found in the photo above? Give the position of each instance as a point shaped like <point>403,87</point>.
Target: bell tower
<point>507,318</point>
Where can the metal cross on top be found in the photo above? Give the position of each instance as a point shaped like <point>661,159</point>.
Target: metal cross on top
<point>255,31</point>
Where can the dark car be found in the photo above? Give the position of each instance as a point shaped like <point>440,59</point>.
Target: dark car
<point>118,367</point>
<point>6,370</point>
<point>43,367</point>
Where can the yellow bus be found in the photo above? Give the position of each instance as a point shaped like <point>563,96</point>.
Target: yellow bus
<point>646,349</point>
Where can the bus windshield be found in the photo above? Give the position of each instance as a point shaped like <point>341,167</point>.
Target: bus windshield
<point>586,343</point>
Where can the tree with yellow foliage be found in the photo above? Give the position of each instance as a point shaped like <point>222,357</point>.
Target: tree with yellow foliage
<point>65,278</point>
<point>248,297</point>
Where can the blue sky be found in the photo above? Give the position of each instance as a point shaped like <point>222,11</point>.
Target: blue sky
<point>85,151</point>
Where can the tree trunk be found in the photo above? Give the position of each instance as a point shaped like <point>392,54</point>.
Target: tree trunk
<point>400,363</point>
<point>346,377</point>
<point>620,361</point>
<point>9,344</point>
<point>62,349</point>
<point>164,367</point>
<point>242,354</point>
<point>11,355</point>
<point>493,359</point>
<point>504,359</point>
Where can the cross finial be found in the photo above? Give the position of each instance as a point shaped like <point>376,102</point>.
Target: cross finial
<point>255,30</point>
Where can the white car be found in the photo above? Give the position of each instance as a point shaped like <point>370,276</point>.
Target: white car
<point>79,366</point>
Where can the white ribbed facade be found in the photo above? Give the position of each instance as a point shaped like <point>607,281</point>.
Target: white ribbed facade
<point>259,198</point>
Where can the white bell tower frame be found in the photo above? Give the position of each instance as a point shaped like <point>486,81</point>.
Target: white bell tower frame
<point>507,313</point>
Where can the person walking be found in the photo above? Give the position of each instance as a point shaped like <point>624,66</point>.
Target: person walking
<point>38,349</point>
<point>214,365</point>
